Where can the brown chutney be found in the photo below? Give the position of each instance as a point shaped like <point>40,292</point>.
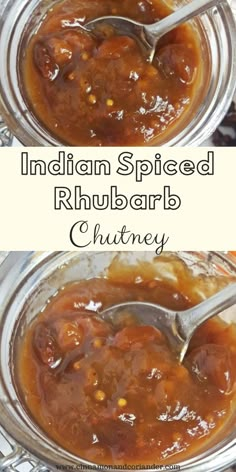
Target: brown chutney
<point>103,92</point>
<point>115,394</point>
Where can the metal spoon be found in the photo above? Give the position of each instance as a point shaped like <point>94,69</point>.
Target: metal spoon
<point>178,327</point>
<point>149,35</point>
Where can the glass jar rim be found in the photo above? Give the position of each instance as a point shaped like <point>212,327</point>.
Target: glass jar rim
<point>29,268</point>
<point>218,23</point>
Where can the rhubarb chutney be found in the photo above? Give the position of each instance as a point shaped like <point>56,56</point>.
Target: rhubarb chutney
<point>115,393</point>
<point>101,90</point>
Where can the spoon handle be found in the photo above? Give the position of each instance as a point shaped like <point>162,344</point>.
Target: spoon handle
<point>189,320</point>
<point>185,13</point>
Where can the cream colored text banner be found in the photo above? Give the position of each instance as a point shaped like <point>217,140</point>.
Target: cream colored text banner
<point>151,199</point>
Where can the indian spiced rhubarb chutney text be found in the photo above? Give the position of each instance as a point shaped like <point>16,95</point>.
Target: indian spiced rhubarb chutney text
<point>115,393</point>
<point>103,92</point>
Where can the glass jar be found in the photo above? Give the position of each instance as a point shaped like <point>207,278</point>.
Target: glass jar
<point>217,30</point>
<point>29,279</point>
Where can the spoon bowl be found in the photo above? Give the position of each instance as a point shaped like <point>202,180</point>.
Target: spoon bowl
<point>178,327</point>
<point>124,27</point>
